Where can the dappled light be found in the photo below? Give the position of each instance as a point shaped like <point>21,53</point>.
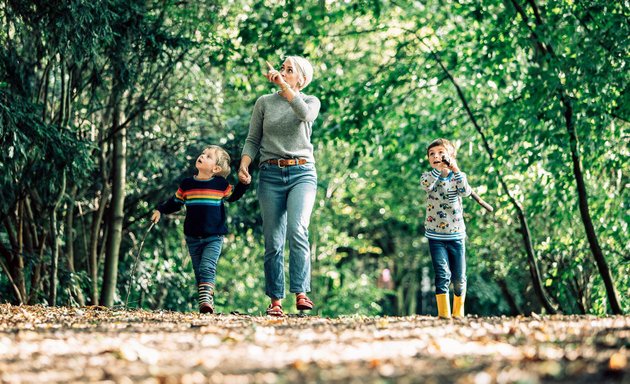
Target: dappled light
<point>516,235</point>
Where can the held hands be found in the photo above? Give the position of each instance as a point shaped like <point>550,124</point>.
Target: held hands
<point>243,171</point>
<point>244,176</point>
<point>156,216</point>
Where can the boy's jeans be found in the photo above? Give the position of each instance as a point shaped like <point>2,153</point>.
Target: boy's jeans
<point>286,196</point>
<point>205,252</point>
<point>449,258</point>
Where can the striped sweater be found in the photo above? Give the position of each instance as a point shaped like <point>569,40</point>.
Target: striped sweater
<point>205,211</point>
<point>445,215</point>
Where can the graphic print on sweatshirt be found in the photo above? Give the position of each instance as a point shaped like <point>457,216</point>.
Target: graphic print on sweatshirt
<point>444,218</point>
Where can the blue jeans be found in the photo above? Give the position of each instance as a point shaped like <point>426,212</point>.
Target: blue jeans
<point>449,264</point>
<point>286,196</point>
<point>204,252</point>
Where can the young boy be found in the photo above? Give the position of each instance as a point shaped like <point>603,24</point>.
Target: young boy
<point>204,227</point>
<point>444,225</point>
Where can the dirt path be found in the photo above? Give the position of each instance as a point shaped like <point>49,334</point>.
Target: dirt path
<point>40,344</point>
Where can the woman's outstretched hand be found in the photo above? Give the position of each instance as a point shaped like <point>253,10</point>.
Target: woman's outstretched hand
<point>274,76</point>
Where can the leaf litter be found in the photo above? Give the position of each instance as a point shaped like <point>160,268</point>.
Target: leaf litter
<point>98,344</point>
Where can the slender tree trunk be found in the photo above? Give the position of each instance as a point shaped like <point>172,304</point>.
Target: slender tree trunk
<point>101,252</point>
<point>412,295</point>
<point>591,235</point>
<point>36,276</point>
<point>514,309</point>
<point>56,244</point>
<point>579,295</point>
<point>70,255</point>
<point>70,262</point>
<point>18,261</point>
<point>114,237</point>
<point>39,244</point>
<point>97,217</point>
<point>83,262</point>
<point>6,270</point>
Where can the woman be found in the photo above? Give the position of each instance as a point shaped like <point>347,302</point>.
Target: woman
<point>280,129</point>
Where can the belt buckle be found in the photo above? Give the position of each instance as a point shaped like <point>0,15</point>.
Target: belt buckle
<point>288,162</point>
<point>291,162</point>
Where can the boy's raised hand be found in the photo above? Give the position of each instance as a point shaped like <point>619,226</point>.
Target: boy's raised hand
<point>156,216</point>
<point>453,165</point>
<point>449,163</point>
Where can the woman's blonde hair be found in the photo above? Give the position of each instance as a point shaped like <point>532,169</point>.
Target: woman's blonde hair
<point>304,69</point>
<point>223,159</point>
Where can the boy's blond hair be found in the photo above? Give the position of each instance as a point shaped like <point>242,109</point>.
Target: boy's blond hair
<point>444,143</point>
<point>223,159</point>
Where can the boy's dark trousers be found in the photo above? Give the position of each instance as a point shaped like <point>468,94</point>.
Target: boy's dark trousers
<point>449,264</point>
<point>205,252</point>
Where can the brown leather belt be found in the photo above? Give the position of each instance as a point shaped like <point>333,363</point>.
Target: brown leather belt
<point>286,162</point>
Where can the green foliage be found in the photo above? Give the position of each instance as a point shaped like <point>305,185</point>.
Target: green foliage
<point>192,72</point>
<point>35,153</point>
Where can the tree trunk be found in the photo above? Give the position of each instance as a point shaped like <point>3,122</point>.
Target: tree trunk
<point>514,309</point>
<point>83,261</point>
<point>70,262</point>
<point>18,261</point>
<point>56,244</point>
<point>114,237</point>
<point>97,217</point>
<point>12,254</point>
<point>6,270</point>
<point>37,271</point>
<point>591,235</point>
<point>70,255</point>
<point>39,244</point>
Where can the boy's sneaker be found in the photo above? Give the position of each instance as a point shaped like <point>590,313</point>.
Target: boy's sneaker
<point>206,298</point>
<point>206,308</point>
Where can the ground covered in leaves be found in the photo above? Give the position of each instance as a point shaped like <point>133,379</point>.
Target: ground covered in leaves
<point>96,344</point>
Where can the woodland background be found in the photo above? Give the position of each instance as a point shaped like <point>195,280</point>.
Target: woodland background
<point>104,105</point>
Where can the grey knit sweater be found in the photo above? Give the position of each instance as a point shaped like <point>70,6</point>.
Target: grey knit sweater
<point>282,130</point>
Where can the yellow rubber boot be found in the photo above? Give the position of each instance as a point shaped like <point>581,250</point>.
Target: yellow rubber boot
<point>458,305</point>
<point>443,304</point>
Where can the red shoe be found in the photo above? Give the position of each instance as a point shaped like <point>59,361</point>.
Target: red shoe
<point>303,303</point>
<point>275,310</point>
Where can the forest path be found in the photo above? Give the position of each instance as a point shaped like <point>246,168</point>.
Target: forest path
<point>96,344</point>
